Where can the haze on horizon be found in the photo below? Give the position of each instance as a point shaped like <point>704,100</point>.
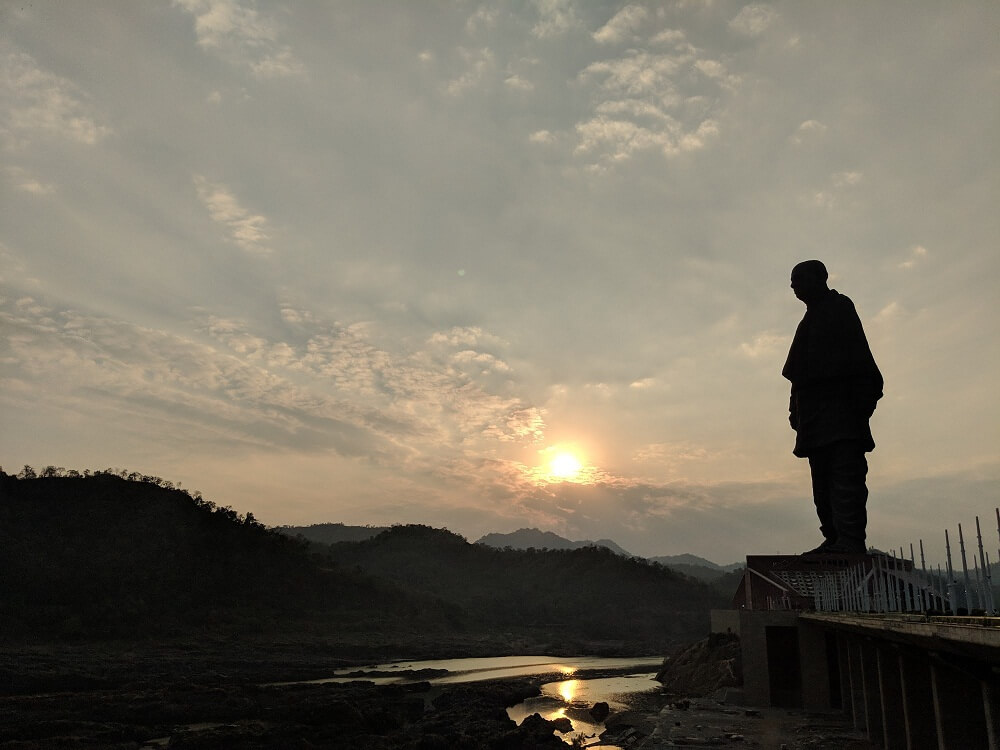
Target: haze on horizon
<point>496,265</point>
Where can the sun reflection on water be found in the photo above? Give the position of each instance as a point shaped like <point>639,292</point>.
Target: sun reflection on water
<point>568,689</point>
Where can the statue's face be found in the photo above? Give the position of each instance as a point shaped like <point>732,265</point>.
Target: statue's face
<point>806,285</point>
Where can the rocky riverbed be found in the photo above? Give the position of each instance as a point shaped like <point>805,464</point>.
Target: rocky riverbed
<point>222,694</point>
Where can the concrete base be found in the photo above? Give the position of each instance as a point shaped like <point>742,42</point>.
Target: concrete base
<point>908,682</point>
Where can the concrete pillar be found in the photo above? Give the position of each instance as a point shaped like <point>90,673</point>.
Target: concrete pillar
<point>991,709</point>
<point>918,701</point>
<point>890,699</point>
<point>958,709</point>
<point>844,664</point>
<point>856,704</point>
<point>869,683</point>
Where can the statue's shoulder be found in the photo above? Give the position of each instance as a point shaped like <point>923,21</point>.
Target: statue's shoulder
<point>840,301</point>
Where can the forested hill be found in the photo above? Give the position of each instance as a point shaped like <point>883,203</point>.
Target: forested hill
<point>122,555</point>
<point>331,533</point>
<point>125,555</point>
<point>590,592</point>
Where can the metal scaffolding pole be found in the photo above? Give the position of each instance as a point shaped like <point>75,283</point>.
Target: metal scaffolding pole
<point>965,570</point>
<point>952,583</point>
<point>986,602</point>
<point>926,597</point>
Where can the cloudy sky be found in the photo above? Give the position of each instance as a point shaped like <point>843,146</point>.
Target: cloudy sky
<point>385,262</point>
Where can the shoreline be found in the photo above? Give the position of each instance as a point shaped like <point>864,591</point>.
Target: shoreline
<point>213,693</point>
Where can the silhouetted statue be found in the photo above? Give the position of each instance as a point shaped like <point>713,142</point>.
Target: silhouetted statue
<point>835,386</point>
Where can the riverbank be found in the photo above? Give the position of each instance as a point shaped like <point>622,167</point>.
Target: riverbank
<point>221,694</point>
<point>212,693</point>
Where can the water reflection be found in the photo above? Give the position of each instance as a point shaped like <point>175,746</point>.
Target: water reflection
<point>567,689</point>
<point>489,668</point>
<point>574,698</point>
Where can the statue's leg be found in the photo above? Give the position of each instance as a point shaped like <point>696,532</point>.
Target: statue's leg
<point>819,467</point>
<point>848,493</point>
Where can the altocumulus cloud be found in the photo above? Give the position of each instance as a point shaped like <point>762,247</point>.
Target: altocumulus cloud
<point>245,229</point>
<point>327,387</point>
<point>38,103</point>
<point>241,35</point>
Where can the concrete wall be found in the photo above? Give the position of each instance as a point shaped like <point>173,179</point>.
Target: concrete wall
<point>725,621</point>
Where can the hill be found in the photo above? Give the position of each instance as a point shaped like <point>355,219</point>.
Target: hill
<point>331,533</point>
<point>720,576</point>
<point>117,555</point>
<point>588,593</point>
<point>686,559</point>
<point>538,539</point>
<point>106,555</point>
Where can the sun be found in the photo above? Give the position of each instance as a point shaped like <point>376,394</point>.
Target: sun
<point>565,466</point>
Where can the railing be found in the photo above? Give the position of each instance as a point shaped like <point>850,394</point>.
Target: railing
<point>887,583</point>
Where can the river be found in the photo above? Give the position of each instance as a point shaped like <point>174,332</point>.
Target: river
<point>569,697</point>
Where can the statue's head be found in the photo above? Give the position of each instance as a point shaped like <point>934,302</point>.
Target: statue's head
<point>809,280</point>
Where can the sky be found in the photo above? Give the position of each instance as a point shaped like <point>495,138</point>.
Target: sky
<point>487,266</point>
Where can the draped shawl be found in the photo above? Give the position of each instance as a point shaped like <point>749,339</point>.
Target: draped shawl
<point>835,381</point>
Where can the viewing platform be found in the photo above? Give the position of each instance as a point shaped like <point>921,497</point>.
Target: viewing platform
<point>876,637</point>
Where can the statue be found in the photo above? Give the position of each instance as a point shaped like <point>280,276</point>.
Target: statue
<point>835,386</point>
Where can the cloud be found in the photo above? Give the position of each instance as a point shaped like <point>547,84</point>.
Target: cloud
<point>622,25</point>
<point>618,140</point>
<point>669,36</point>
<point>327,388</point>
<point>26,183</point>
<point>888,313</point>
<point>555,18</point>
<point>637,73</point>
<point>241,35</point>
<point>832,197</point>
<point>37,102</point>
<point>670,453</point>
<point>847,179</point>
<point>807,131</point>
<point>640,105</point>
<point>483,18</point>
<point>753,20</point>
<point>916,255</point>
<point>764,344</point>
<point>477,63</point>
<point>245,229</point>
<point>517,83</point>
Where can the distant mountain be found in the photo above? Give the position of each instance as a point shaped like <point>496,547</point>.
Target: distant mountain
<point>685,559</point>
<point>331,533</point>
<point>538,539</point>
<point>698,567</point>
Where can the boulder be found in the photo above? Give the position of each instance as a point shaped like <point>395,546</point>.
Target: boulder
<point>599,711</point>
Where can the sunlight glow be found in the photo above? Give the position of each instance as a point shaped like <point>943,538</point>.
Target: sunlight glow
<point>561,463</point>
<point>565,466</point>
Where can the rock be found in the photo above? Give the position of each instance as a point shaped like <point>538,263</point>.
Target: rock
<point>704,667</point>
<point>536,732</point>
<point>599,711</point>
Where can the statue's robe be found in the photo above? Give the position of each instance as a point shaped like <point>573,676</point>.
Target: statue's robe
<point>835,381</point>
